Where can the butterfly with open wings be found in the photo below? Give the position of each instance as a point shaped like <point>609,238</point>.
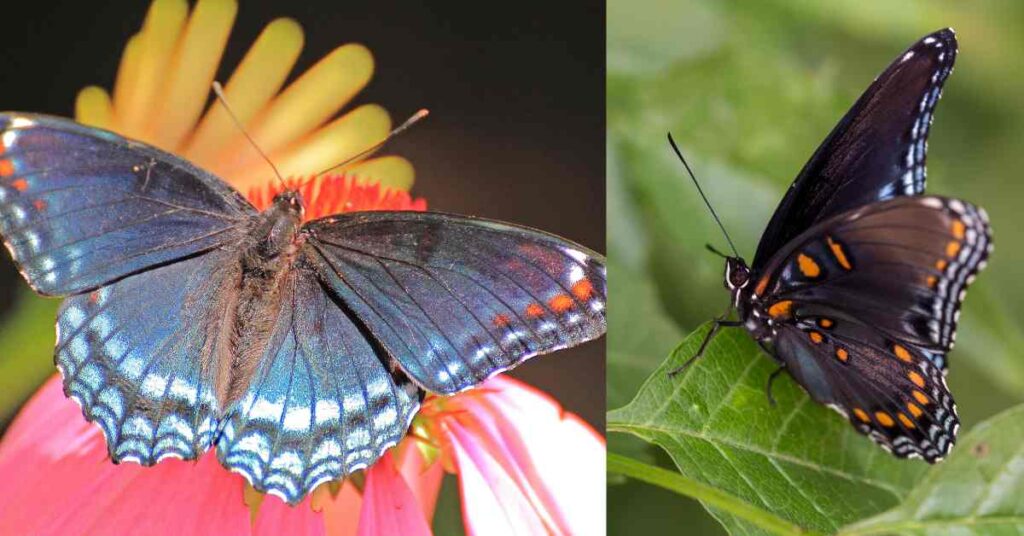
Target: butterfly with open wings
<point>857,282</point>
<point>300,352</point>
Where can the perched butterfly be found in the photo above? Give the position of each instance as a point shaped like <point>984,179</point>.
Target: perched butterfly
<point>299,351</point>
<point>856,285</point>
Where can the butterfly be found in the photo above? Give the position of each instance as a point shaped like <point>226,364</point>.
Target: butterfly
<point>299,351</point>
<point>856,286</point>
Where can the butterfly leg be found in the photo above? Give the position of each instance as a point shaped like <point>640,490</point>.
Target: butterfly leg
<point>719,323</point>
<point>768,387</point>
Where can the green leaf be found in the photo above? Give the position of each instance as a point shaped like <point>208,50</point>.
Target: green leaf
<point>26,350</point>
<point>797,460</point>
<point>708,494</point>
<point>978,490</point>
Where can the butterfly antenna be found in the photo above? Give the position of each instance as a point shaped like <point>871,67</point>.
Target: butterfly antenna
<point>219,91</point>
<point>414,118</point>
<point>704,197</point>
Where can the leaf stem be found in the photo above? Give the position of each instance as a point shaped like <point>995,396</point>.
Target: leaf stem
<point>708,495</point>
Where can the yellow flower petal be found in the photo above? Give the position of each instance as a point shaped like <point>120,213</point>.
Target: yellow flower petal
<point>390,171</point>
<point>257,79</point>
<point>127,74</point>
<point>93,107</point>
<point>192,70</point>
<point>304,105</point>
<point>343,138</point>
<point>159,35</point>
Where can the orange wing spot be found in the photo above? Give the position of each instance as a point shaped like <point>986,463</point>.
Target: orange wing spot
<point>843,355</point>
<point>958,229</point>
<point>861,415</point>
<point>902,353</point>
<point>94,296</point>
<point>914,409</point>
<point>20,185</point>
<point>501,321</point>
<point>952,249</point>
<point>884,419</point>
<point>561,303</point>
<point>582,289</point>
<point>534,310</point>
<point>825,322</point>
<point>762,285</point>
<point>905,420</point>
<point>931,281</point>
<point>6,168</point>
<point>807,266</point>
<point>781,309</point>
<point>816,337</point>
<point>941,264</point>
<point>921,397</point>
<point>916,378</point>
<point>837,250</point>
<point>39,204</point>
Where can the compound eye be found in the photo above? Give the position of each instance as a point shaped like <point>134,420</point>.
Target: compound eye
<point>739,276</point>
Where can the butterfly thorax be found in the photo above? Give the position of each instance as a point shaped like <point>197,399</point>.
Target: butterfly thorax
<point>267,257</point>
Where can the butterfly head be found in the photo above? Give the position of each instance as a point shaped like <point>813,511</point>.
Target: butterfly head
<point>290,201</point>
<point>737,274</point>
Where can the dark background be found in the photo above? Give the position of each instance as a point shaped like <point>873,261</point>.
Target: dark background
<point>515,90</point>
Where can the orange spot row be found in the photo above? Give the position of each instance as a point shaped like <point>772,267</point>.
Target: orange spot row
<point>914,409</point>
<point>916,378</point>
<point>582,289</point>
<point>39,204</point>
<point>6,168</point>
<point>958,229</point>
<point>762,285</point>
<point>921,397</point>
<point>941,264</point>
<point>807,266</point>
<point>884,419</point>
<point>501,321</point>
<point>902,353</point>
<point>843,355</point>
<point>534,310</point>
<point>561,303</point>
<point>20,184</point>
<point>781,309</point>
<point>952,249</point>
<point>905,420</point>
<point>861,415</point>
<point>837,250</point>
<point>816,337</point>
<point>825,322</point>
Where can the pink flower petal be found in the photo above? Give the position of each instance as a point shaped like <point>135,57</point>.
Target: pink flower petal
<point>58,480</point>
<point>389,506</point>
<point>423,480</point>
<point>516,442</point>
<point>276,517</point>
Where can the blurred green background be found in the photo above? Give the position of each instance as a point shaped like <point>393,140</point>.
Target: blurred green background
<point>749,90</point>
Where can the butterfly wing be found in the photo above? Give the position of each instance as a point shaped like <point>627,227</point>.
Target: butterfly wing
<point>81,207</point>
<point>321,404</point>
<point>876,152</point>
<point>137,356</point>
<point>900,267</point>
<point>893,394</point>
<point>454,299</point>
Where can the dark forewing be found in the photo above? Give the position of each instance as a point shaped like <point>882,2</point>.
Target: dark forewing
<point>892,393</point>
<point>136,355</point>
<point>80,207</point>
<point>876,152</point>
<point>900,267</point>
<point>454,299</point>
<point>321,403</point>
